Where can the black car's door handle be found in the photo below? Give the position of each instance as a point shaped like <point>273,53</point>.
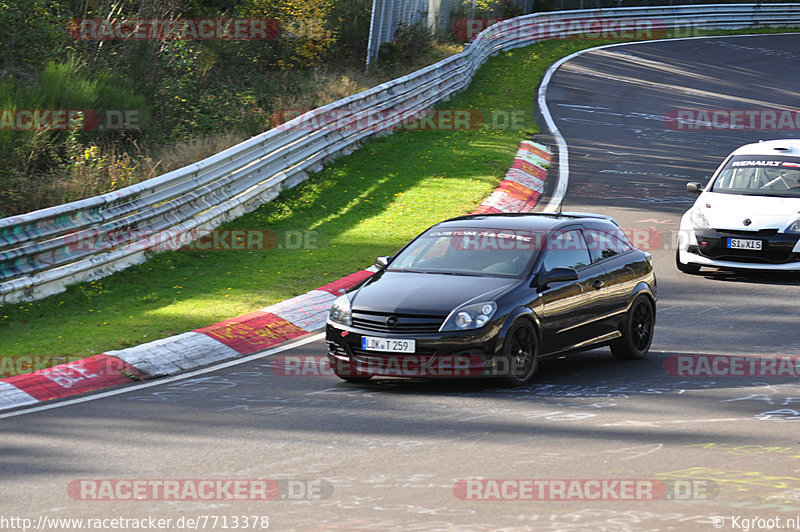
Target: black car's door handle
<point>599,283</point>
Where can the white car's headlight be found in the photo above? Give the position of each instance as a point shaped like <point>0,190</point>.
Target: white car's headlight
<point>699,219</point>
<point>340,311</point>
<point>469,317</point>
<point>794,227</point>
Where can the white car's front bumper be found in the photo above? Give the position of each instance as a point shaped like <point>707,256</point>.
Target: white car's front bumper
<point>687,239</point>
<point>692,258</point>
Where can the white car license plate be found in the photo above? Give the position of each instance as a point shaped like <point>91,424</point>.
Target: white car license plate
<point>738,243</point>
<point>392,345</point>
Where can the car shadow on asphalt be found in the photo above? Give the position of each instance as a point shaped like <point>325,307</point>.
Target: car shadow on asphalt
<point>597,373</point>
<point>752,277</point>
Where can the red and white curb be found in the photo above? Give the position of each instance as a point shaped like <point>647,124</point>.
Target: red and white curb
<point>523,183</point>
<point>243,335</point>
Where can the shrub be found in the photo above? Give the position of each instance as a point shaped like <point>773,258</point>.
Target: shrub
<point>409,43</point>
<point>33,162</point>
<point>305,39</point>
<point>351,19</point>
<point>33,31</point>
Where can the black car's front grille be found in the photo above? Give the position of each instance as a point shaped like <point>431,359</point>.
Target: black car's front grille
<point>396,323</point>
<point>337,350</point>
<point>399,364</point>
<point>363,353</point>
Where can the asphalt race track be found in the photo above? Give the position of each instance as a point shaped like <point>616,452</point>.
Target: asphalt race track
<point>403,455</point>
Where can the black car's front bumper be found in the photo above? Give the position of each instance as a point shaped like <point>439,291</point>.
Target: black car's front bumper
<point>456,354</point>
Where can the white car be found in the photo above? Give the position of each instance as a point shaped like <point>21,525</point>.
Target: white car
<point>748,216</point>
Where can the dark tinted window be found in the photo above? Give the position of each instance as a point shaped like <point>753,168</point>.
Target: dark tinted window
<point>605,243</point>
<point>567,249</point>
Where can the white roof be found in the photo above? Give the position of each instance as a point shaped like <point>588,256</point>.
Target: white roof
<point>771,147</point>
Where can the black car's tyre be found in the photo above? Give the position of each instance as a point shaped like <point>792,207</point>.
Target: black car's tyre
<point>638,333</point>
<point>685,268</point>
<point>521,353</point>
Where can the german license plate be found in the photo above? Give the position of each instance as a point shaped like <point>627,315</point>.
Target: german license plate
<point>740,243</point>
<point>392,345</point>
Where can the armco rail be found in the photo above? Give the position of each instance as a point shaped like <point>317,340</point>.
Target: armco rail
<point>42,251</point>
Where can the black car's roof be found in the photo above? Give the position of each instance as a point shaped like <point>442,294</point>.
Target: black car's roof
<point>534,221</point>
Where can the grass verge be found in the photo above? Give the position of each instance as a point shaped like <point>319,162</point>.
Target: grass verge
<point>361,206</point>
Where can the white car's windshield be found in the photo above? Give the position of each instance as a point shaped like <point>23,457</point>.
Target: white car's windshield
<point>760,176</point>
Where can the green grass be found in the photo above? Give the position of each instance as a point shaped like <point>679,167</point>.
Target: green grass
<point>361,206</point>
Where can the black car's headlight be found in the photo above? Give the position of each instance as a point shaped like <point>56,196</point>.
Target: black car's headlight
<point>794,227</point>
<point>341,312</point>
<point>469,317</point>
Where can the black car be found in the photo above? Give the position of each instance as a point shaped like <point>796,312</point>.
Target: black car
<point>487,295</point>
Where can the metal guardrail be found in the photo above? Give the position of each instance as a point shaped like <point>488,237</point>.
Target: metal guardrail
<point>43,251</point>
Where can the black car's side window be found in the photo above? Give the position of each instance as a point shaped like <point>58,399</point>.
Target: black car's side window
<point>568,249</point>
<point>604,244</point>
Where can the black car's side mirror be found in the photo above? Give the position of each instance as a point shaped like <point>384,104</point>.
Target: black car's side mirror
<point>556,275</point>
<point>694,188</point>
<point>382,262</point>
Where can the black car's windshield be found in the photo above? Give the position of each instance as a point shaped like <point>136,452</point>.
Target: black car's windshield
<point>760,176</point>
<point>484,252</point>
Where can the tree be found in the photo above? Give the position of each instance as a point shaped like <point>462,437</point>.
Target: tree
<point>34,31</point>
<point>305,38</point>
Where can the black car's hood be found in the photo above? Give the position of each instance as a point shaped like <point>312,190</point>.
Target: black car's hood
<point>425,293</point>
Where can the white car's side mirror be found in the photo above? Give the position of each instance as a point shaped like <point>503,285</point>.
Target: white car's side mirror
<point>695,188</point>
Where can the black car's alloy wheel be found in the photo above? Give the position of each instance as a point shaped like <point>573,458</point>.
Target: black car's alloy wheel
<point>521,352</point>
<point>638,333</point>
